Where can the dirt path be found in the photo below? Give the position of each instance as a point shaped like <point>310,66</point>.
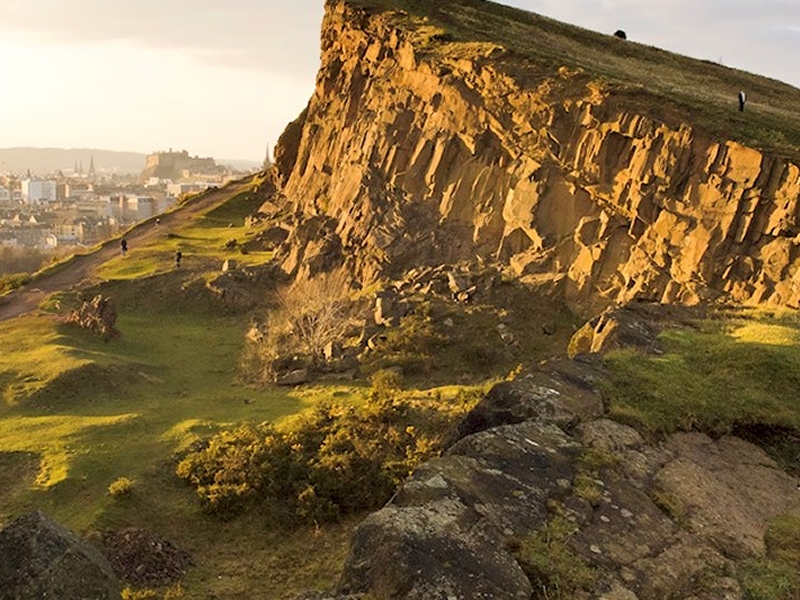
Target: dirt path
<point>77,270</point>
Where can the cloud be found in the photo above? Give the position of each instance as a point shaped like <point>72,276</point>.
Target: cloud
<point>756,36</point>
<point>248,34</point>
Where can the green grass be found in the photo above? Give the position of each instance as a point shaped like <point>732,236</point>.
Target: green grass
<point>182,388</point>
<point>556,571</point>
<point>775,576</point>
<point>202,243</point>
<point>728,374</point>
<point>637,77</point>
<point>177,385</point>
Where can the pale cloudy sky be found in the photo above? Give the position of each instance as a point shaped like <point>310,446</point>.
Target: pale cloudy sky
<point>222,78</point>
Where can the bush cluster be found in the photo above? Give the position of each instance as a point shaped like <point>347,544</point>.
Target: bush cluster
<point>410,346</point>
<point>336,460</point>
<point>13,281</point>
<point>121,486</point>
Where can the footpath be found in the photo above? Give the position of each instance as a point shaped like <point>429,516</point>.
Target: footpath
<point>77,271</point>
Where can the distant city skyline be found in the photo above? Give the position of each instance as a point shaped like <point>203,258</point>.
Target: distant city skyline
<point>224,79</point>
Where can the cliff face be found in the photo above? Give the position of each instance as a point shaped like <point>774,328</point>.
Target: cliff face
<point>414,150</point>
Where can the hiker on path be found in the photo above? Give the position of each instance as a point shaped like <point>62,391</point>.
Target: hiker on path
<point>178,257</point>
<point>123,246</point>
<point>742,100</point>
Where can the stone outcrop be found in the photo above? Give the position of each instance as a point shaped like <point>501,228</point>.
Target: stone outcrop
<point>670,519</point>
<point>98,315</point>
<point>411,153</point>
<point>41,559</point>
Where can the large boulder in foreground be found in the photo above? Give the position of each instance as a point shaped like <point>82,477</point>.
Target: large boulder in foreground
<point>41,559</point>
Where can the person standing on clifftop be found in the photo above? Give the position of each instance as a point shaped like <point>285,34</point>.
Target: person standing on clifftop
<point>123,246</point>
<point>742,100</point>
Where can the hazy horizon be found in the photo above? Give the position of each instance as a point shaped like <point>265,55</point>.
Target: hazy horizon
<point>225,80</point>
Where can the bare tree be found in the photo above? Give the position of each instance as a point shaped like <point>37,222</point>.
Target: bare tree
<point>318,312</point>
<point>311,316</point>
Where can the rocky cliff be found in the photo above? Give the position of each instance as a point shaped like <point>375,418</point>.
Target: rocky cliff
<point>419,147</point>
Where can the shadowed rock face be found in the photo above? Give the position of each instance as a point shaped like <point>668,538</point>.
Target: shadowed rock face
<point>418,155</point>
<point>41,559</point>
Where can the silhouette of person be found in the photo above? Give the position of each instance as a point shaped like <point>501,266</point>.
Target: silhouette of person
<point>123,246</point>
<point>178,257</point>
<point>742,100</point>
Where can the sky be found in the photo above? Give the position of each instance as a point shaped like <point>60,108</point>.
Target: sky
<point>223,78</point>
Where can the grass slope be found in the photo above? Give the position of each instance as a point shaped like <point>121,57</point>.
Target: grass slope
<point>77,413</point>
<point>640,78</point>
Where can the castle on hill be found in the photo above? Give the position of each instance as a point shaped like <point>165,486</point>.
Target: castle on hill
<point>178,165</point>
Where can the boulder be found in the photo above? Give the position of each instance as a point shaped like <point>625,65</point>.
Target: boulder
<point>295,377</point>
<point>615,328</point>
<point>41,559</point>
<point>447,531</point>
<point>547,397</point>
<point>389,308</point>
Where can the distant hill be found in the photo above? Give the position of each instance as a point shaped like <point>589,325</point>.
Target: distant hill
<point>49,160</point>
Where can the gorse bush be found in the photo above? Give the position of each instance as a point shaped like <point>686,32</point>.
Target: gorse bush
<point>122,486</point>
<point>411,346</point>
<point>336,460</point>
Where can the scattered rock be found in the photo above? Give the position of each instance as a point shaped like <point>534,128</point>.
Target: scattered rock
<point>389,308</point>
<point>143,559</point>
<point>295,377</point>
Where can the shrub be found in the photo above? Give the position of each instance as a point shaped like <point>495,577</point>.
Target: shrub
<point>335,461</point>
<point>131,594</point>
<point>13,281</point>
<point>122,486</point>
<point>410,346</point>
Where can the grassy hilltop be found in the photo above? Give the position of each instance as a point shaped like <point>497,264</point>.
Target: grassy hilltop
<point>643,79</point>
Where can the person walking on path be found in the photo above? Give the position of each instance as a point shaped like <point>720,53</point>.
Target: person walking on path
<point>742,100</point>
<point>178,257</point>
<point>123,246</point>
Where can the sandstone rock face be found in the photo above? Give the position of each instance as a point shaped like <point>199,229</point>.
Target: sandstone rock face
<point>416,156</point>
<point>41,559</point>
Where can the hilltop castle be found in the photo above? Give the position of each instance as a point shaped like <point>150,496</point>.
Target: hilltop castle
<point>178,165</point>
